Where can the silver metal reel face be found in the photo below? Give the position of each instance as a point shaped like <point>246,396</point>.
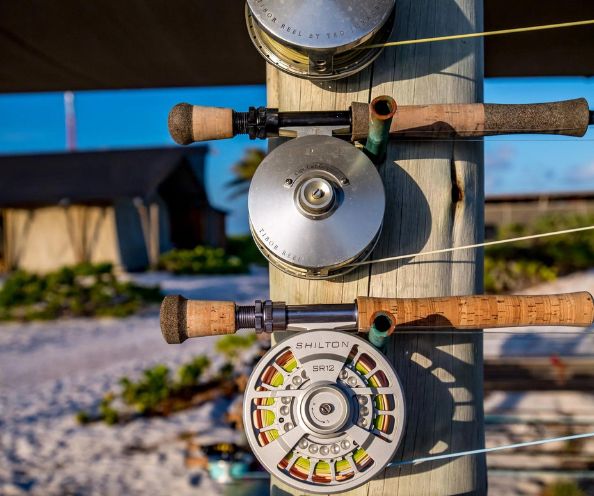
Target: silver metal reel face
<point>319,39</point>
<point>324,411</point>
<point>316,205</point>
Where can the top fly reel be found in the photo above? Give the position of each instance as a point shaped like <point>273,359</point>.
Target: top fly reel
<point>324,411</point>
<point>319,39</point>
<point>316,206</point>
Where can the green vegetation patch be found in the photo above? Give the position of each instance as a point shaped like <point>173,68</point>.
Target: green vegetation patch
<point>563,488</point>
<point>202,260</point>
<point>516,266</point>
<point>158,392</point>
<point>89,290</point>
<point>244,248</point>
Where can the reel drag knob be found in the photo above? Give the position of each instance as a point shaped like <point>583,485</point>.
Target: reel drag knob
<point>316,205</point>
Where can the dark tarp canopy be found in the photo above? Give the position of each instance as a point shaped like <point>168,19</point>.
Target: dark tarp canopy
<point>78,45</point>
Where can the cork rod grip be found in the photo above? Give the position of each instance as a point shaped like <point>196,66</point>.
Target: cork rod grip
<point>182,319</point>
<point>478,312</point>
<point>192,123</point>
<point>570,118</point>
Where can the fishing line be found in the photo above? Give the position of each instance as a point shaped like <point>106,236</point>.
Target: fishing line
<point>476,245</point>
<point>417,461</point>
<point>479,35</point>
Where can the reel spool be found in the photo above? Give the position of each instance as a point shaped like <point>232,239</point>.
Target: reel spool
<point>319,39</point>
<point>316,205</point>
<point>324,411</point>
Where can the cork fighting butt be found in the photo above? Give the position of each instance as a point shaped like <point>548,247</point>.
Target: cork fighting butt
<point>182,319</point>
<point>192,123</point>
<point>475,312</point>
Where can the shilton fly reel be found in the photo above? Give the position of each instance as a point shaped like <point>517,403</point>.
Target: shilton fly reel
<point>319,39</point>
<point>316,204</point>
<point>324,411</point>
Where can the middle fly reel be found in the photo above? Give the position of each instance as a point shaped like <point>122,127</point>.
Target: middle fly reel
<point>324,411</point>
<point>316,206</point>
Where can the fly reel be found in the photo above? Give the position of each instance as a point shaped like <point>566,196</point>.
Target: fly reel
<point>316,205</point>
<point>319,39</point>
<point>324,411</point>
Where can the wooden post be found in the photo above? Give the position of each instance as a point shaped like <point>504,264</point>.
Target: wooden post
<point>435,200</point>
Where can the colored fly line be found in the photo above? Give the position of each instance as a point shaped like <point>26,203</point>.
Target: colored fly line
<point>489,243</point>
<point>474,246</point>
<point>446,456</point>
<point>481,245</point>
<point>483,34</point>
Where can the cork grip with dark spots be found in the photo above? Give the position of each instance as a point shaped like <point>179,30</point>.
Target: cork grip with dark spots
<point>192,123</point>
<point>478,312</point>
<point>443,121</point>
<point>182,319</point>
<point>569,118</point>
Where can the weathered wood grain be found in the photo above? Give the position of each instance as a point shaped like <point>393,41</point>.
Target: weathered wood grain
<point>435,200</point>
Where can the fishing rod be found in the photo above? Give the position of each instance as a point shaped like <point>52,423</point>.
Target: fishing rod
<point>182,319</point>
<point>192,123</point>
<point>325,407</point>
<point>314,188</point>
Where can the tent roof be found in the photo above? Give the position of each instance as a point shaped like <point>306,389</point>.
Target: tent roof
<point>78,45</point>
<point>94,177</point>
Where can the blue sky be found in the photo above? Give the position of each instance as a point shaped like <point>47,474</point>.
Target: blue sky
<point>31,123</point>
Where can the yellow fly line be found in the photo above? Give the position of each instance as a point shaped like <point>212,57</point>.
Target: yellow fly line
<point>479,35</point>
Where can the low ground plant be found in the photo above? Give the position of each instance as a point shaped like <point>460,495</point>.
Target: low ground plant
<point>160,392</point>
<point>516,266</point>
<point>202,260</point>
<point>89,290</point>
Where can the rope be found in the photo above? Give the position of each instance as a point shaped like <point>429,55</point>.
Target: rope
<point>476,245</point>
<point>416,461</point>
<point>479,35</point>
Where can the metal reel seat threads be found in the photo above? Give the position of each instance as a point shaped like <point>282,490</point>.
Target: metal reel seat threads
<point>324,411</point>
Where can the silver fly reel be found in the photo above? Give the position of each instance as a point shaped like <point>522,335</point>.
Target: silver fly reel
<point>324,411</point>
<point>316,205</point>
<point>319,39</point>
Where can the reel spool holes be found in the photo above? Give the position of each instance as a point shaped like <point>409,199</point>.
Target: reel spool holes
<point>324,411</point>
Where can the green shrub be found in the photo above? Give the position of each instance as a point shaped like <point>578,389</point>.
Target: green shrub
<point>106,412</point>
<point>232,345</point>
<point>83,417</point>
<point>244,248</point>
<point>146,394</point>
<point>563,488</point>
<point>154,393</point>
<point>81,290</point>
<point>189,374</point>
<point>201,260</point>
<point>514,266</point>
<point>505,276</point>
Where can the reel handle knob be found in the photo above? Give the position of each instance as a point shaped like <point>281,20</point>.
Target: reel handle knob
<point>475,312</point>
<point>182,318</point>
<point>193,123</point>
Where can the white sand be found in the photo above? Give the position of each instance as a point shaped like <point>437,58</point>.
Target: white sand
<point>49,371</point>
